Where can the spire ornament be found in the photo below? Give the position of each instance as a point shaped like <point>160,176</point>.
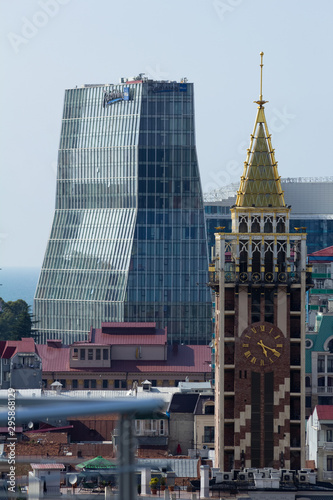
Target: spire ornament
<point>261,102</point>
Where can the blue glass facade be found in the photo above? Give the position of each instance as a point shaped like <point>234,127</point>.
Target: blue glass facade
<point>128,240</point>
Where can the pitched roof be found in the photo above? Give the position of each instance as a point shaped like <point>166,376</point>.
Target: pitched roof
<point>160,338</point>
<point>10,347</point>
<point>325,252</point>
<point>187,359</point>
<point>325,412</point>
<point>260,184</point>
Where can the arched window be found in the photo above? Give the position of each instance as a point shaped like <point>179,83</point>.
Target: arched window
<point>255,224</point>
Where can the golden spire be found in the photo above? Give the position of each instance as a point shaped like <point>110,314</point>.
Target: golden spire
<point>260,184</point>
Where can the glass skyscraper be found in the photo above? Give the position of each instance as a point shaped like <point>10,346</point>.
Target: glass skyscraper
<point>128,240</point>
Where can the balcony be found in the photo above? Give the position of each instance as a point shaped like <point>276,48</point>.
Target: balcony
<point>325,390</point>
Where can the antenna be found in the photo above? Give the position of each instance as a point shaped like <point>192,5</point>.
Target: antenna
<point>261,66</point>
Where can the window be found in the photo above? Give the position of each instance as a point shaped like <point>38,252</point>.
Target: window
<point>105,384</point>
<point>120,384</point>
<point>329,435</point>
<point>82,354</point>
<point>162,429</point>
<point>75,384</point>
<point>90,355</point>
<point>105,354</point>
<point>208,434</point>
<point>86,384</point>
<point>44,383</point>
<point>330,364</point>
<point>63,382</point>
<point>98,354</point>
<point>209,409</point>
<point>321,364</point>
<point>75,353</point>
<point>330,462</point>
<point>93,384</point>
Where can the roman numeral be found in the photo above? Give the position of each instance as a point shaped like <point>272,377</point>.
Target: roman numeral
<point>279,345</point>
<point>253,330</point>
<point>245,345</point>
<point>262,328</point>
<point>262,362</point>
<point>277,337</point>
<point>247,354</point>
<point>253,360</point>
<point>271,360</point>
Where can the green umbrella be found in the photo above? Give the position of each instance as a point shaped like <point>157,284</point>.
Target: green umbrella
<point>97,463</point>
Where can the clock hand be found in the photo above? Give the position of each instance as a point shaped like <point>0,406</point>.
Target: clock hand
<point>273,350</point>
<point>263,347</point>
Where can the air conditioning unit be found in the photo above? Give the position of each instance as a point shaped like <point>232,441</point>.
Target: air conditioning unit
<point>250,474</point>
<point>227,476</point>
<point>287,476</point>
<point>242,476</point>
<point>303,477</point>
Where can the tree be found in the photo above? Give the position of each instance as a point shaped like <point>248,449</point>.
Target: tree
<point>15,320</point>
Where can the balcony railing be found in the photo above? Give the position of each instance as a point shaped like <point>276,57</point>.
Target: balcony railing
<point>326,389</point>
<point>256,277</point>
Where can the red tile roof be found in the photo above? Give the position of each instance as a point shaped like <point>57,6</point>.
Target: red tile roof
<point>11,347</point>
<point>48,466</point>
<point>187,359</point>
<point>325,252</point>
<point>159,338</point>
<point>133,324</point>
<point>325,412</point>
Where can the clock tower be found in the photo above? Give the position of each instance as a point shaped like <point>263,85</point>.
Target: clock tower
<point>260,278</point>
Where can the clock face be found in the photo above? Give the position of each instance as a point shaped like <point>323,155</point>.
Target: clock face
<point>262,344</point>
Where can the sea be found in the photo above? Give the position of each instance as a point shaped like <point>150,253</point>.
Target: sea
<point>19,283</point>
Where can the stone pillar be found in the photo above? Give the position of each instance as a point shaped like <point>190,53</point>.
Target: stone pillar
<point>145,478</point>
<point>204,481</point>
<point>166,494</point>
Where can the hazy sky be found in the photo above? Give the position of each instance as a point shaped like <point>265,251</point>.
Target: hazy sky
<point>51,45</point>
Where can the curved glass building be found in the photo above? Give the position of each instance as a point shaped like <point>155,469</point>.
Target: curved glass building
<point>128,239</point>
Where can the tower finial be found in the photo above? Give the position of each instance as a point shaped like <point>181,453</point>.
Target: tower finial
<point>261,66</point>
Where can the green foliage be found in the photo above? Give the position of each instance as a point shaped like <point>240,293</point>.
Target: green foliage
<point>15,320</point>
<point>153,482</point>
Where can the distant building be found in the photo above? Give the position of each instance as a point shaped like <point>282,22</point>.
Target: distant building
<point>319,363</point>
<point>321,295</point>
<point>122,356</point>
<point>20,364</point>
<point>311,200</point>
<point>128,240</point>
<point>319,441</point>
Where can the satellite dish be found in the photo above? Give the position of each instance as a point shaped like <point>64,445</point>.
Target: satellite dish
<point>72,478</point>
<point>30,425</point>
